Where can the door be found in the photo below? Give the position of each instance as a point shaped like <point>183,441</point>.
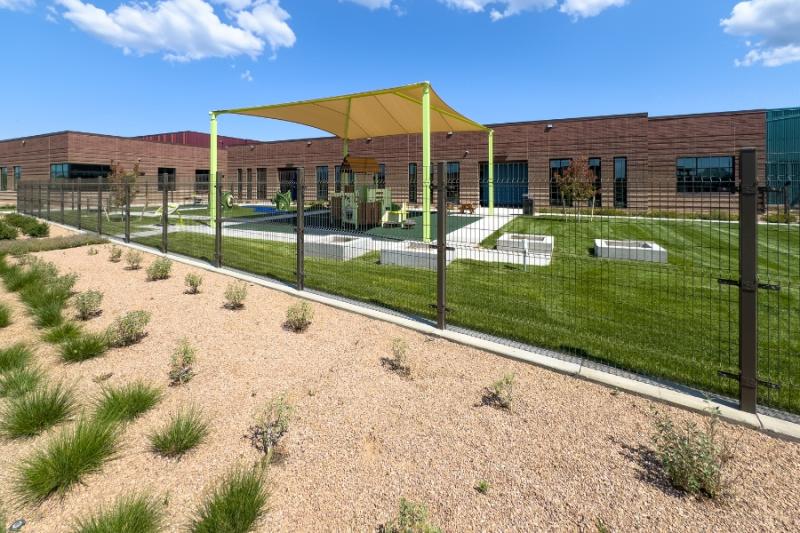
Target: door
<point>510,183</point>
<point>287,178</point>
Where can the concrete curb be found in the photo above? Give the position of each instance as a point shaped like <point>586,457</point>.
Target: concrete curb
<point>768,424</point>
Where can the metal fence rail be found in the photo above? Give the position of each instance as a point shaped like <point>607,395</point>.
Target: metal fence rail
<point>701,290</point>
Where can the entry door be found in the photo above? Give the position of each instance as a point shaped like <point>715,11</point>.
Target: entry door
<point>287,178</point>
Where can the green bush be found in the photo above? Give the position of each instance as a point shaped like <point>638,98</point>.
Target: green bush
<point>133,258</point>
<point>482,486</point>
<point>129,514</point>
<point>193,282</point>
<point>5,315</point>
<point>780,218</point>
<point>62,333</point>
<point>41,409</point>
<point>184,431</point>
<point>159,269</point>
<point>28,225</point>
<point>14,357</point>
<point>126,403</point>
<point>128,329</point>
<point>115,254</point>
<point>235,293</point>
<point>83,347</point>
<point>299,317</point>
<point>88,303</point>
<point>411,518</point>
<point>501,392</point>
<point>235,505</point>
<point>692,458</point>
<point>28,246</point>
<point>65,460</point>
<point>19,381</point>
<point>181,364</point>
<point>270,425</point>
<point>7,231</point>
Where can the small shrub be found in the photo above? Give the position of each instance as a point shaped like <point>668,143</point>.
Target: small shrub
<point>128,329</point>
<point>5,315</point>
<point>183,432</point>
<point>482,486</point>
<point>41,409</point>
<point>7,231</point>
<point>501,393</point>
<point>62,333</point>
<point>601,526</point>
<point>193,282</point>
<point>299,317</point>
<point>92,251</point>
<point>88,304</point>
<point>126,403</point>
<point>17,248</point>
<point>15,356</point>
<point>83,347</point>
<point>780,218</point>
<point>159,269</point>
<point>129,514</point>
<point>19,381</point>
<point>235,293</point>
<point>692,458</point>
<point>235,505</point>
<point>271,425</point>
<point>181,364</point>
<point>133,258</point>
<point>28,225</point>
<point>115,254</point>
<point>399,362</point>
<point>65,460</point>
<point>411,518</point>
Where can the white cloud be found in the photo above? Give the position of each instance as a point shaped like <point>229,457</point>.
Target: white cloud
<point>373,4</point>
<point>247,76</point>
<point>500,9</point>
<point>184,30</point>
<point>17,5</point>
<point>775,22</point>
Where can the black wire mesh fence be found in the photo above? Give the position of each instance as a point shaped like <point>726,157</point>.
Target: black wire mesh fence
<point>623,273</point>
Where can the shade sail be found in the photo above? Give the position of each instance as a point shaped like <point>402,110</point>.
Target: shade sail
<point>392,111</point>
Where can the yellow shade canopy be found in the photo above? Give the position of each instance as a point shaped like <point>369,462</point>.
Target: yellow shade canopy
<point>393,111</point>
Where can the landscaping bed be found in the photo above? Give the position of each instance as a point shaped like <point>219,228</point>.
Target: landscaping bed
<point>569,455</point>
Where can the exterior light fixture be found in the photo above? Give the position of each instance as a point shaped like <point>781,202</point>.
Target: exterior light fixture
<point>466,153</point>
<point>449,133</point>
<point>369,139</point>
<point>308,143</point>
<point>548,127</point>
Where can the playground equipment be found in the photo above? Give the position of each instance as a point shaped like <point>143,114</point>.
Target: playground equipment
<point>362,203</point>
<point>283,200</point>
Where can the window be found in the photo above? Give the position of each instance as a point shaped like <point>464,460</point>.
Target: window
<point>620,182</point>
<point>201,178</point>
<point>337,179</point>
<point>595,168</point>
<point>322,182</point>
<point>261,183</point>
<point>3,178</point>
<point>379,179</point>
<point>17,176</point>
<point>412,183</point>
<point>239,183</point>
<point>510,183</point>
<point>557,168</point>
<point>453,182</point>
<point>704,174</point>
<point>166,175</point>
<point>59,171</point>
<point>249,183</point>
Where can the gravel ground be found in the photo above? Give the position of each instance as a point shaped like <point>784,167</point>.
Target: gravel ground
<point>569,454</point>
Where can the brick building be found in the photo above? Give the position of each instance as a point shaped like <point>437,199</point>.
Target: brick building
<point>640,161</point>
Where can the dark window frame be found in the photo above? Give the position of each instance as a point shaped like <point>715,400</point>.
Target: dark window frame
<point>705,174</point>
<point>322,172</point>
<point>556,198</point>
<point>171,178</point>
<point>621,183</point>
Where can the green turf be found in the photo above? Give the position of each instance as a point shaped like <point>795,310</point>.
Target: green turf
<point>671,321</point>
<point>454,222</point>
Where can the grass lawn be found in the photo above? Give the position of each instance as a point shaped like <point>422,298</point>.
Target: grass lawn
<point>671,321</point>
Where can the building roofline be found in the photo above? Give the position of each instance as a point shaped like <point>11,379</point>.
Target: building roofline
<point>138,138</point>
<point>565,119</point>
<point>709,114</point>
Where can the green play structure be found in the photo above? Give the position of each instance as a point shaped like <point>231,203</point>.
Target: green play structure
<point>283,200</point>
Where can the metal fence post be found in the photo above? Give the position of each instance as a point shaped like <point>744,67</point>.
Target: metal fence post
<point>40,200</point>
<point>164,212</point>
<point>301,229</point>
<point>80,204</point>
<point>127,211</point>
<point>47,199</point>
<point>100,205</point>
<point>748,281</point>
<point>218,221</point>
<point>441,246</point>
<point>62,201</point>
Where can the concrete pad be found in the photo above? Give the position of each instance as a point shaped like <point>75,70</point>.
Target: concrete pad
<point>524,243</point>
<point>630,250</point>
<point>336,247</point>
<point>413,255</point>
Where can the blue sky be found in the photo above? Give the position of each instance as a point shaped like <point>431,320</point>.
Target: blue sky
<point>133,68</point>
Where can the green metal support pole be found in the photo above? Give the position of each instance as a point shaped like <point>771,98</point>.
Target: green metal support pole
<point>426,163</point>
<point>345,148</point>
<point>212,170</point>
<point>491,172</point>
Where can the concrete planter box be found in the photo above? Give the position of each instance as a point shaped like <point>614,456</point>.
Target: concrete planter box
<point>413,255</point>
<point>337,247</point>
<point>630,250</point>
<point>519,242</point>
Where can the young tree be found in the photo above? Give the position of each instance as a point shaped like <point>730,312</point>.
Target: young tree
<point>577,184</point>
<point>118,178</point>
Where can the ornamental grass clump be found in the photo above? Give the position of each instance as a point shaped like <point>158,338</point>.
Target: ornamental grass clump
<point>37,411</point>
<point>126,403</point>
<point>19,381</point>
<point>83,347</point>
<point>299,317</point>
<point>87,304</point>
<point>129,514</point>
<point>181,370</point>
<point>235,505</point>
<point>193,282</point>
<point>62,333</point>
<point>14,357</point>
<point>133,258</point>
<point>184,431</point>
<point>693,458</point>
<point>5,315</point>
<point>159,269</point>
<point>128,329</point>
<point>235,293</point>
